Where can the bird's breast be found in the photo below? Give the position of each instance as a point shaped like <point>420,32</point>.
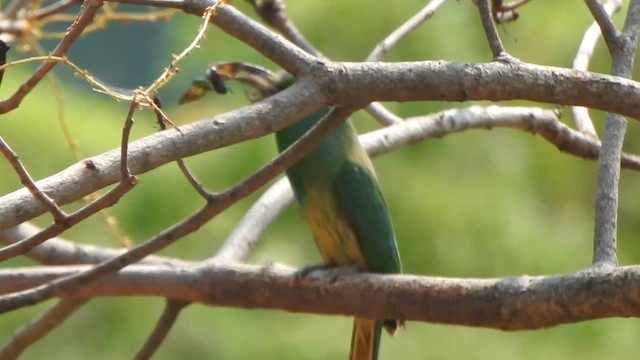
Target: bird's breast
<point>333,234</point>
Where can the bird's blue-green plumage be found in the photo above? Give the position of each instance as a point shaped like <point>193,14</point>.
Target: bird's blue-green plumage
<point>337,190</point>
<point>340,199</point>
<point>338,171</point>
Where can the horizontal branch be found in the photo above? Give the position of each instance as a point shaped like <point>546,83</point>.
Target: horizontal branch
<point>353,83</point>
<point>347,85</point>
<point>513,303</point>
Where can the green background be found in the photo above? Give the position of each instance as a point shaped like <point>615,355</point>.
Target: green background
<point>475,204</point>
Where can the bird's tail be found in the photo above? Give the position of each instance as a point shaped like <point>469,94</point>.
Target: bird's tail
<point>365,339</point>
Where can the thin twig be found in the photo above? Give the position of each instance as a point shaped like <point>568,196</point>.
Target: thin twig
<point>52,9</point>
<point>581,118</point>
<point>170,71</point>
<point>107,200</point>
<point>169,316</point>
<point>39,327</point>
<point>125,173</point>
<point>197,185</point>
<point>58,215</point>
<point>12,9</point>
<point>262,213</point>
<point>377,110</point>
<point>486,16</point>
<point>87,12</point>
<point>289,57</point>
<point>405,29</point>
<point>172,307</point>
<point>382,114</point>
<point>274,14</point>
<point>607,27</point>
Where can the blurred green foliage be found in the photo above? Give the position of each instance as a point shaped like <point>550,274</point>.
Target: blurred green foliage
<point>476,204</point>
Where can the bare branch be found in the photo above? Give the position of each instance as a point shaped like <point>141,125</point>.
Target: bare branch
<point>195,184</point>
<point>382,114</point>
<point>26,180</point>
<point>57,251</point>
<point>363,84</point>
<point>87,12</point>
<point>375,109</point>
<point>94,173</point>
<point>161,330</point>
<point>54,8</point>
<point>405,29</point>
<point>606,208</point>
<point>534,120</point>
<point>513,303</point>
<point>262,213</point>
<point>107,200</point>
<point>607,27</point>
<point>238,25</point>
<point>486,15</point>
<point>274,14</point>
<point>581,118</point>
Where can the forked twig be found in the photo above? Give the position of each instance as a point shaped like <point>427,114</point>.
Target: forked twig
<point>58,215</point>
<point>172,309</point>
<point>214,206</point>
<point>87,12</point>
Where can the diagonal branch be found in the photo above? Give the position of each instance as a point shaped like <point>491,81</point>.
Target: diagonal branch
<point>495,44</point>
<point>607,27</point>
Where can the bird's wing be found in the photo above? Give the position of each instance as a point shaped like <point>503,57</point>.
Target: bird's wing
<point>358,194</point>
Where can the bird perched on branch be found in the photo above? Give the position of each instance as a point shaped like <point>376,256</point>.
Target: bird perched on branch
<point>337,191</point>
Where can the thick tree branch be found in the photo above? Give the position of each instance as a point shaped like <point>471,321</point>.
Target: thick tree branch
<point>513,303</point>
<point>347,85</point>
<point>92,174</point>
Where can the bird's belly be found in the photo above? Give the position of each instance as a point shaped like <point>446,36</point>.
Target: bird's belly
<point>334,237</point>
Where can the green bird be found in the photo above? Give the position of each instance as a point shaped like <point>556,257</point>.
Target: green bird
<point>337,191</point>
